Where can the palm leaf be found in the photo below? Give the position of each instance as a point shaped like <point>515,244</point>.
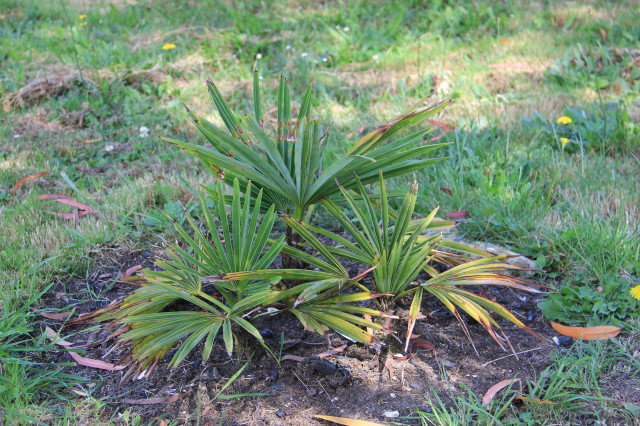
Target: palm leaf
<point>288,168</point>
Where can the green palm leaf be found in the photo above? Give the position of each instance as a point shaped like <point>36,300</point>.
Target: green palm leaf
<point>222,247</point>
<point>288,168</point>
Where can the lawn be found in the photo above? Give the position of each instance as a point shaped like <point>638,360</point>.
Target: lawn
<point>543,160</point>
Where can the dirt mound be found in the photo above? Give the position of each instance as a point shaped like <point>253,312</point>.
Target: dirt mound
<point>355,382</point>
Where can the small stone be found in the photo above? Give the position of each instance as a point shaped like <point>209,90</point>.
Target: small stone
<point>392,395</point>
<point>391,414</point>
<point>531,315</point>
<point>280,413</point>
<point>274,374</point>
<point>344,372</point>
<point>564,341</point>
<point>448,364</point>
<point>266,333</point>
<point>415,385</point>
<point>324,367</point>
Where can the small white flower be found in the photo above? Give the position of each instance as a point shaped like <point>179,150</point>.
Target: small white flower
<point>16,136</point>
<point>288,47</point>
<point>143,131</point>
<point>374,57</point>
<point>303,54</point>
<point>109,148</point>
<point>337,27</point>
<point>259,77</point>
<point>259,56</point>
<point>324,59</point>
<point>346,29</point>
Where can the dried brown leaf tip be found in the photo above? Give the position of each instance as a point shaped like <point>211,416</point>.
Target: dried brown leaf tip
<point>27,178</point>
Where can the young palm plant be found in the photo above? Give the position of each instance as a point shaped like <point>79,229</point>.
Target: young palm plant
<point>401,249</point>
<point>151,331</point>
<point>288,166</point>
<point>222,275</point>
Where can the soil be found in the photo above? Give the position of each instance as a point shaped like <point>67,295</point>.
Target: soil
<point>358,383</point>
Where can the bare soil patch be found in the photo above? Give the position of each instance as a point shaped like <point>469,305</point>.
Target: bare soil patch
<point>357,383</point>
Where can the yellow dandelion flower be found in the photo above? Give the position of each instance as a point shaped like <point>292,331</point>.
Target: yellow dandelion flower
<point>168,46</point>
<point>635,292</point>
<point>564,120</point>
<point>83,16</point>
<point>82,24</point>
<point>564,141</point>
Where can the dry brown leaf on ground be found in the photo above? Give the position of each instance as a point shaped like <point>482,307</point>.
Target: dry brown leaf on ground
<point>64,199</point>
<point>334,351</point>
<point>493,390</point>
<point>446,190</point>
<point>52,196</point>
<point>294,358</point>
<point>75,204</point>
<point>347,422</point>
<point>156,400</point>
<point>87,362</point>
<point>131,271</point>
<point>27,178</point>
<point>600,332</point>
<point>58,316</point>
<point>458,215</point>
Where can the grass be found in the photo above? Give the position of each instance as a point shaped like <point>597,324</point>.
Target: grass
<point>576,386</point>
<point>573,210</point>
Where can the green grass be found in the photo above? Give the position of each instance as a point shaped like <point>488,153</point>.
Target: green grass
<point>578,384</point>
<point>574,210</point>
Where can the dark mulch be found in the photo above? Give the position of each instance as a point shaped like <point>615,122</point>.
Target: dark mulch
<point>365,384</point>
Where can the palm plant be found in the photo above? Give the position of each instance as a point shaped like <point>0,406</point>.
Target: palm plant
<point>289,167</point>
<point>400,251</point>
<point>225,271</point>
<point>222,275</point>
<point>151,332</point>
